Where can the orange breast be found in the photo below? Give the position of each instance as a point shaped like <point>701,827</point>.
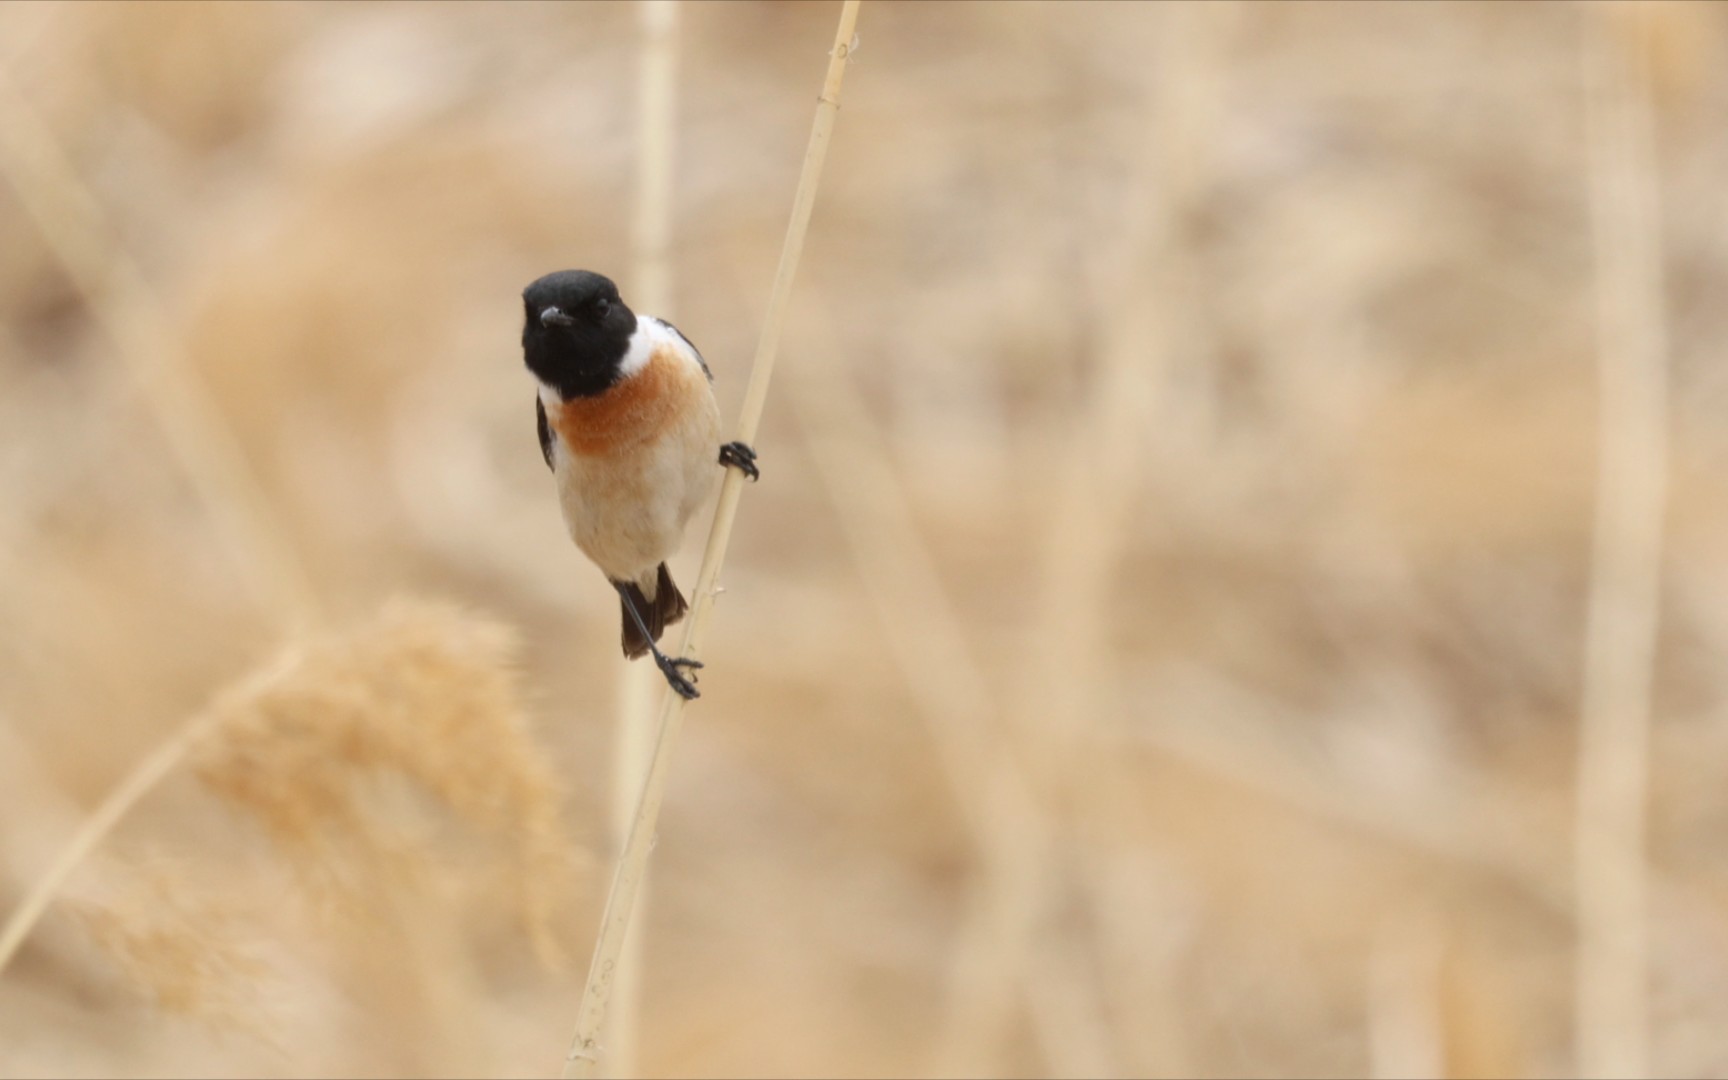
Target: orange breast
<point>635,411</point>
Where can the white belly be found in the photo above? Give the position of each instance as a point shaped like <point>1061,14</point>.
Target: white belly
<point>627,512</point>
<point>635,462</point>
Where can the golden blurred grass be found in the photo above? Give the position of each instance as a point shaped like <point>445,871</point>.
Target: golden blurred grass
<point>1334,657</point>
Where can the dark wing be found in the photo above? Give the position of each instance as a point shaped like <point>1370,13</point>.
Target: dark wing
<point>545,430</point>
<point>694,351</point>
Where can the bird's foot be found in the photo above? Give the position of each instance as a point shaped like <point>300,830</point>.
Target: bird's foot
<point>669,666</point>
<point>739,456</point>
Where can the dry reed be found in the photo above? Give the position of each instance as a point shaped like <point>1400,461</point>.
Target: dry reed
<point>187,951</point>
<point>1406,1035</point>
<point>583,1056</point>
<point>1066,676</point>
<point>651,287</point>
<point>1612,1018</point>
<point>999,961</point>
<point>940,666</point>
<point>1347,646</point>
<point>422,693</point>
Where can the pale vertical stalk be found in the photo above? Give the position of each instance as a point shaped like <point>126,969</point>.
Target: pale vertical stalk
<point>1406,1029</point>
<point>583,1056</point>
<point>1008,945</point>
<point>1062,685</point>
<point>1620,649</point>
<point>1013,835</point>
<point>71,221</point>
<point>926,634</point>
<point>651,289</point>
<point>656,126</point>
<point>1056,702</point>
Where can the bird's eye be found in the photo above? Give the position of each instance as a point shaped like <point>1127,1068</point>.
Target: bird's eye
<point>602,306</point>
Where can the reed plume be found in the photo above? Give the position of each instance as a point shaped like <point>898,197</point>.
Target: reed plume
<point>186,950</point>
<point>422,693</point>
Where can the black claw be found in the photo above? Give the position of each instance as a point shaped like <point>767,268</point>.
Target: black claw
<point>739,456</point>
<point>668,665</point>
<point>683,687</point>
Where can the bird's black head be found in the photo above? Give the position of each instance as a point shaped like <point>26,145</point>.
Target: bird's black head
<point>577,331</point>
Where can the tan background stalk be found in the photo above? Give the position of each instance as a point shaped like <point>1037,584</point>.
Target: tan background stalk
<point>650,289</point>
<point>1614,747</point>
<point>1406,1035</point>
<point>1066,678</point>
<point>582,1059</point>
<point>955,698</point>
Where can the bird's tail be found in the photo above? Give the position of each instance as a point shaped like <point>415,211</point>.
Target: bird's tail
<point>661,609</point>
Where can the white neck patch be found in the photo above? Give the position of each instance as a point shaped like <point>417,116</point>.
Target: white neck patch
<point>649,335</point>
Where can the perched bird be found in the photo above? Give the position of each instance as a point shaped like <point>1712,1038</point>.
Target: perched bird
<point>629,427</point>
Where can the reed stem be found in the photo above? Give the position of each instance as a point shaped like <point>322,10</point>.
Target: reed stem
<point>583,1056</point>
<point>651,288</point>
<point>1620,650</point>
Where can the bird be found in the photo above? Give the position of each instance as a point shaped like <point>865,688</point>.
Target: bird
<point>629,426</point>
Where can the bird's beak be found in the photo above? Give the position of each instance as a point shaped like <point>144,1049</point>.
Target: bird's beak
<point>553,317</point>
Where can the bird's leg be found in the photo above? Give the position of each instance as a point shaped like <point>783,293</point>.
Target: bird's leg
<point>668,665</point>
<point>739,456</point>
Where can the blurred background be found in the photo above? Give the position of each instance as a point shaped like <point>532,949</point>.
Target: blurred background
<point>1156,646</point>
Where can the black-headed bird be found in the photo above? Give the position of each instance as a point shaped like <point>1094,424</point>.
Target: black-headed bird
<point>630,429</point>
